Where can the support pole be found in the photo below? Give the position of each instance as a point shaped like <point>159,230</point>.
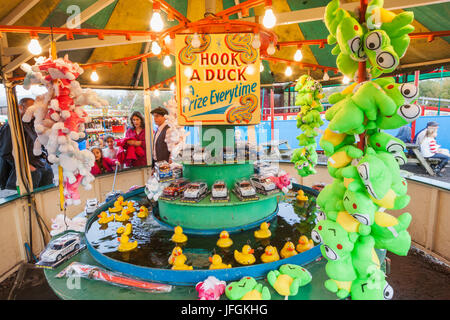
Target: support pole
<point>272,113</point>
<point>362,68</point>
<point>416,83</point>
<point>147,115</point>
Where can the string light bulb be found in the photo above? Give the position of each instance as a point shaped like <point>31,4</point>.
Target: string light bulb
<point>94,76</point>
<point>269,19</point>
<point>261,67</point>
<point>34,47</point>
<point>167,39</point>
<point>298,56</point>
<point>288,71</point>
<point>156,49</point>
<point>172,86</point>
<point>256,43</point>
<point>156,23</point>
<point>346,80</point>
<point>196,41</point>
<point>271,49</point>
<point>326,77</point>
<point>250,69</point>
<point>167,61</point>
<point>156,93</point>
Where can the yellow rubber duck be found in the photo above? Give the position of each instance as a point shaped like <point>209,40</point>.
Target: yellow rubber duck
<point>125,230</point>
<point>179,264</point>
<point>224,240</point>
<point>143,212</point>
<point>130,207</point>
<point>117,208</point>
<point>301,197</point>
<point>270,254</point>
<point>264,231</point>
<point>304,244</point>
<point>216,263</point>
<point>104,218</point>
<point>125,244</point>
<point>245,257</point>
<point>123,216</point>
<point>177,252</point>
<point>179,236</point>
<point>288,250</point>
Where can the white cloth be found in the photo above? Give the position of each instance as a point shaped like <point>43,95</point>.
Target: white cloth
<point>426,147</point>
<point>112,154</point>
<point>160,128</point>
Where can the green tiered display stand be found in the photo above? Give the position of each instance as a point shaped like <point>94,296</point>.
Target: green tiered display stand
<point>213,217</point>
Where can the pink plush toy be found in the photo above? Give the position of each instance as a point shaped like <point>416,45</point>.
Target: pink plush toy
<point>210,289</point>
<point>283,182</point>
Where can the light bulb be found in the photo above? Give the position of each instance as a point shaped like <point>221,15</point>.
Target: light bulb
<point>94,76</point>
<point>196,41</point>
<point>188,72</point>
<point>256,43</point>
<point>167,61</point>
<point>269,19</point>
<point>288,71</point>
<point>34,47</point>
<point>187,90</point>
<point>261,67</point>
<point>156,23</point>
<point>156,93</point>
<point>172,86</point>
<point>167,39</point>
<point>271,49</point>
<point>156,49</point>
<point>298,56</point>
<point>326,77</point>
<point>346,80</point>
<point>250,69</point>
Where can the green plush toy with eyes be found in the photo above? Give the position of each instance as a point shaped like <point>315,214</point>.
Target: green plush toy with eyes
<point>391,233</point>
<point>308,121</point>
<point>382,40</point>
<point>360,206</point>
<point>381,141</point>
<point>305,159</point>
<point>337,247</point>
<point>331,141</point>
<point>330,198</point>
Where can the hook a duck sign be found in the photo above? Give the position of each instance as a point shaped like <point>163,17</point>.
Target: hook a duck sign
<point>218,81</point>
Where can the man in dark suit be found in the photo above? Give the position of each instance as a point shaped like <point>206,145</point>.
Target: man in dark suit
<point>160,152</point>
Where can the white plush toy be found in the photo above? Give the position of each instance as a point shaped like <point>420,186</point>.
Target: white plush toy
<point>175,135</point>
<point>61,224</point>
<point>59,120</point>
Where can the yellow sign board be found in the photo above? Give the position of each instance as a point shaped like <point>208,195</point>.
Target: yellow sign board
<point>218,81</point>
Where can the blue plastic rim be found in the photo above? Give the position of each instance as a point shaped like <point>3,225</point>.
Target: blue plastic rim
<point>192,277</point>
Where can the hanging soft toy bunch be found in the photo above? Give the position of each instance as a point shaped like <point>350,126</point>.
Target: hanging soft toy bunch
<point>352,221</point>
<point>308,120</point>
<point>381,41</point>
<point>176,135</point>
<point>59,120</point>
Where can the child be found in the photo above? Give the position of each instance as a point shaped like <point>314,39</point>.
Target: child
<point>430,149</point>
<point>110,151</point>
<point>102,164</point>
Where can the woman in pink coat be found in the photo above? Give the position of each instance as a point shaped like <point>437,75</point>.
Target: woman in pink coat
<point>133,152</point>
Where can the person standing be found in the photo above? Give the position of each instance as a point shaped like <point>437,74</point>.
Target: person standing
<point>160,151</point>
<point>41,171</point>
<point>134,154</point>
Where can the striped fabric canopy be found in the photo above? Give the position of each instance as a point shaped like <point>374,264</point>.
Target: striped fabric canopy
<point>135,15</point>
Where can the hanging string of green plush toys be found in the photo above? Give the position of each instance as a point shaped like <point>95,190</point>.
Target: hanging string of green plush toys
<point>353,222</point>
<point>309,93</point>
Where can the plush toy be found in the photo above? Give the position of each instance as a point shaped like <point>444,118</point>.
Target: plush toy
<point>381,141</point>
<point>390,233</point>
<point>175,135</point>
<point>59,120</point>
<point>360,206</point>
<point>330,198</point>
<point>331,141</point>
<point>247,289</point>
<point>154,188</point>
<point>337,246</point>
<point>382,40</point>
<point>288,278</point>
<point>210,289</point>
<point>282,181</point>
<point>62,223</point>
<point>308,121</point>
